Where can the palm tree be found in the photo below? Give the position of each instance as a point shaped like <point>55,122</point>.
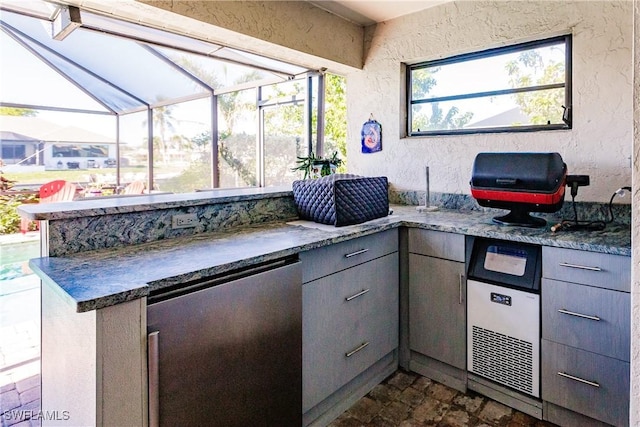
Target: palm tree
<point>163,124</point>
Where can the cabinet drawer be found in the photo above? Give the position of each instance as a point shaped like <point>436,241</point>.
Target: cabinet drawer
<point>438,244</point>
<point>589,268</point>
<point>594,385</point>
<point>350,321</point>
<point>323,261</point>
<point>586,317</point>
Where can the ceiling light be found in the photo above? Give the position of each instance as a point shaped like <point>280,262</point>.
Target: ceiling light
<point>68,19</point>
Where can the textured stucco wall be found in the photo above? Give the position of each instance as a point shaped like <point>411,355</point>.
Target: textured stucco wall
<point>599,143</point>
<point>635,237</point>
<point>290,30</point>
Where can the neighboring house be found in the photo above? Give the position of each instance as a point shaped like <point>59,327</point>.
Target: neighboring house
<point>18,148</point>
<point>34,141</point>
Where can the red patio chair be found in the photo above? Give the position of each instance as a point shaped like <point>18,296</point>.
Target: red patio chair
<point>54,191</point>
<point>136,187</point>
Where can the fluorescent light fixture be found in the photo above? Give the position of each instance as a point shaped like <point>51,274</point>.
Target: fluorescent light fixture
<point>68,19</point>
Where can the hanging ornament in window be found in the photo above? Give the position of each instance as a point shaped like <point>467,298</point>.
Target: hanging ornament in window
<point>371,136</point>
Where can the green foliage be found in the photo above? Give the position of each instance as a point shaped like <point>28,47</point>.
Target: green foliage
<point>163,125</point>
<point>202,141</point>
<point>422,81</point>
<point>231,105</point>
<point>335,130</point>
<point>9,217</point>
<point>11,111</point>
<point>238,168</point>
<point>196,177</point>
<point>541,107</point>
<point>306,164</point>
<point>286,117</point>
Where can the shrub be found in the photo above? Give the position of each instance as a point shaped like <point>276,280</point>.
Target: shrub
<point>9,217</point>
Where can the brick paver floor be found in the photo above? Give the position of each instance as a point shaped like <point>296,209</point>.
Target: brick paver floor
<point>406,399</point>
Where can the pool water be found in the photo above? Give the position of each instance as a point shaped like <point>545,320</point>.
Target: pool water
<point>14,258</point>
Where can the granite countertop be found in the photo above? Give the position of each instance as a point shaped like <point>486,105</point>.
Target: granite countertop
<point>97,279</point>
<point>94,206</point>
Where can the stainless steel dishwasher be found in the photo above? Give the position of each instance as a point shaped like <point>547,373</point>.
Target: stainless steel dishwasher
<point>227,350</point>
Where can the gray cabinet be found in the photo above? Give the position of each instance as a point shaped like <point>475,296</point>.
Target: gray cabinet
<point>330,259</point>
<point>585,336</point>
<point>593,319</point>
<point>587,383</point>
<point>436,309</point>
<point>350,322</point>
<point>437,314</point>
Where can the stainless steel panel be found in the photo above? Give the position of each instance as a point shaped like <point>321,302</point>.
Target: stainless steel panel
<point>154,376</point>
<point>231,355</point>
<point>503,336</point>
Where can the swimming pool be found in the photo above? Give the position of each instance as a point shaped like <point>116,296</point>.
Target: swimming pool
<point>15,255</point>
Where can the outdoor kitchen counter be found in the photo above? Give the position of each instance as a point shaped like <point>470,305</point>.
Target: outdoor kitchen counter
<point>101,278</point>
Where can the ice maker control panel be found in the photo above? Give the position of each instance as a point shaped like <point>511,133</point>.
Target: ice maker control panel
<point>510,264</point>
<point>500,299</point>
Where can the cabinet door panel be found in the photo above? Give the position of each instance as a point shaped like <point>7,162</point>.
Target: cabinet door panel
<point>586,317</point>
<point>437,309</point>
<point>353,311</point>
<point>605,394</point>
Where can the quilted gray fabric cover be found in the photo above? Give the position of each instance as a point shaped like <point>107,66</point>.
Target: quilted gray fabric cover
<point>342,199</point>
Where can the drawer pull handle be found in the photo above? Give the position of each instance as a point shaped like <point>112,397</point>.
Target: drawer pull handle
<point>581,267</point>
<point>571,377</point>
<point>460,280</point>
<point>357,349</point>
<point>359,294</point>
<point>361,251</point>
<point>584,316</point>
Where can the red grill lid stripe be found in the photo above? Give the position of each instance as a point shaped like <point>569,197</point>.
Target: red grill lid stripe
<point>520,197</point>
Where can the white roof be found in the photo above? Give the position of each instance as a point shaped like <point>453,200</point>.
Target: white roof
<point>46,131</point>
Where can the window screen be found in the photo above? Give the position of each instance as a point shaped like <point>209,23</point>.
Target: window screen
<point>524,87</point>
